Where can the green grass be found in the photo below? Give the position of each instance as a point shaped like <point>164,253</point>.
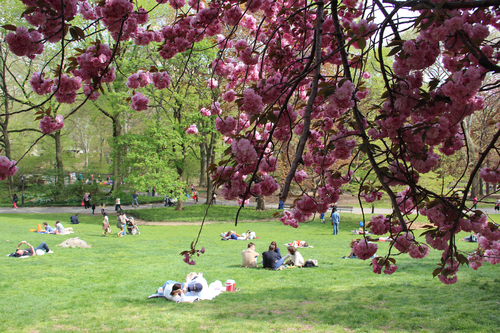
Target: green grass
<point>105,288</point>
<point>195,213</point>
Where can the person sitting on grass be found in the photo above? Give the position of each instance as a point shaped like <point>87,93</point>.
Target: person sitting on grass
<point>276,249</point>
<point>296,258</point>
<point>249,256</point>
<point>351,255</point>
<point>74,219</point>
<point>270,258</point>
<point>472,238</point>
<point>30,251</point>
<point>48,228</point>
<point>60,230</point>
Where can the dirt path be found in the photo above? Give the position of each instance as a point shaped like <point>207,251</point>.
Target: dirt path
<point>142,222</point>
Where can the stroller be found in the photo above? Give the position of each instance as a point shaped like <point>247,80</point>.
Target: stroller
<point>169,202</point>
<point>132,227</point>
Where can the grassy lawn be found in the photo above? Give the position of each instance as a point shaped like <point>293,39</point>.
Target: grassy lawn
<point>196,213</point>
<point>105,288</point>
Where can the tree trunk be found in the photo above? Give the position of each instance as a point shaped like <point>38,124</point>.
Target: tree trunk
<point>210,159</point>
<point>203,164</point>
<point>59,160</point>
<point>8,151</point>
<point>117,130</point>
<point>178,206</point>
<point>261,203</point>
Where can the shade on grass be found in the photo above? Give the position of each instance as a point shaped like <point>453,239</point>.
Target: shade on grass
<point>105,288</point>
<point>196,213</point>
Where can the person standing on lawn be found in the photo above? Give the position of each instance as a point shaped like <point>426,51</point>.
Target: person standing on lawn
<point>14,200</point>
<point>335,218</point>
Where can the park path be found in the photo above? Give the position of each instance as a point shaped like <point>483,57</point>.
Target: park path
<point>127,208</point>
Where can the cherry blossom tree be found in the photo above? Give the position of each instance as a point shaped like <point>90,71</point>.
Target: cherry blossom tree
<point>297,70</point>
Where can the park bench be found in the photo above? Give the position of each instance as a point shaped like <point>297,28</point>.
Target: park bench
<point>345,209</point>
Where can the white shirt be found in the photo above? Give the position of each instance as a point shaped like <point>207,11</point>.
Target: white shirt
<point>60,228</point>
<point>297,258</point>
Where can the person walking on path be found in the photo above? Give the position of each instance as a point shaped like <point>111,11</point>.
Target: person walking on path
<point>93,208</point>
<point>474,203</point>
<point>153,191</point>
<point>134,199</point>
<point>117,205</point>
<point>86,200</point>
<point>335,218</point>
<point>14,200</point>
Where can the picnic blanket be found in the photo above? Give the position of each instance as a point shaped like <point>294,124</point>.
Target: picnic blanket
<point>207,293</point>
<point>299,244</point>
<point>74,242</point>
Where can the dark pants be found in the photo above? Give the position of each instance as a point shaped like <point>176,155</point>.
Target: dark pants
<point>42,246</point>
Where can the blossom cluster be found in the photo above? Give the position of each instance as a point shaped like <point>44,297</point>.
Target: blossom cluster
<point>8,168</point>
<point>49,125</point>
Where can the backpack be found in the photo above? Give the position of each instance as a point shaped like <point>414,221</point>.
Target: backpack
<point>311,263</point>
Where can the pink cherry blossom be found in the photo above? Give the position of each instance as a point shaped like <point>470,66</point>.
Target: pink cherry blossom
<point>192,129</point>
<point>266,187</point>
<point>364,249</point>
<point>25,43</point>
<point>300,176</point>
<point>244,152</point>
<point>419,251</point>
<point>489,175</point>
<point>161,80</point>
<point>403,242</point>
<point>139,102</point>
<point>48,125</point>
<point>212,83</point>
<point>205,112</point>
<point>377,269</point>
<point>391,269</point>
<point>225,126</point>
<point>8,168</point>
<point>252,103</point>
<point>67,90</point>
<point>139,79</point>
<point>40,85</point>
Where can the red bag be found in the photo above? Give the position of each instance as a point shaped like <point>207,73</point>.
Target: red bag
<point>83,204</point>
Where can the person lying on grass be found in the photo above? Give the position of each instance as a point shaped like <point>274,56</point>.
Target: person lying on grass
<point>48,228</point>
<point>60,228</point>
<point>193,285</point>
<point>234,236</point>
<point>30,251</point>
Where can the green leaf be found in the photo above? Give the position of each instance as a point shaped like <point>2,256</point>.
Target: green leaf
<point>395,51</point>
<point>361,43</point>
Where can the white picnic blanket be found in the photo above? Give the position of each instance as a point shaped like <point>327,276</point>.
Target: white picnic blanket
<point>207,293</point>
